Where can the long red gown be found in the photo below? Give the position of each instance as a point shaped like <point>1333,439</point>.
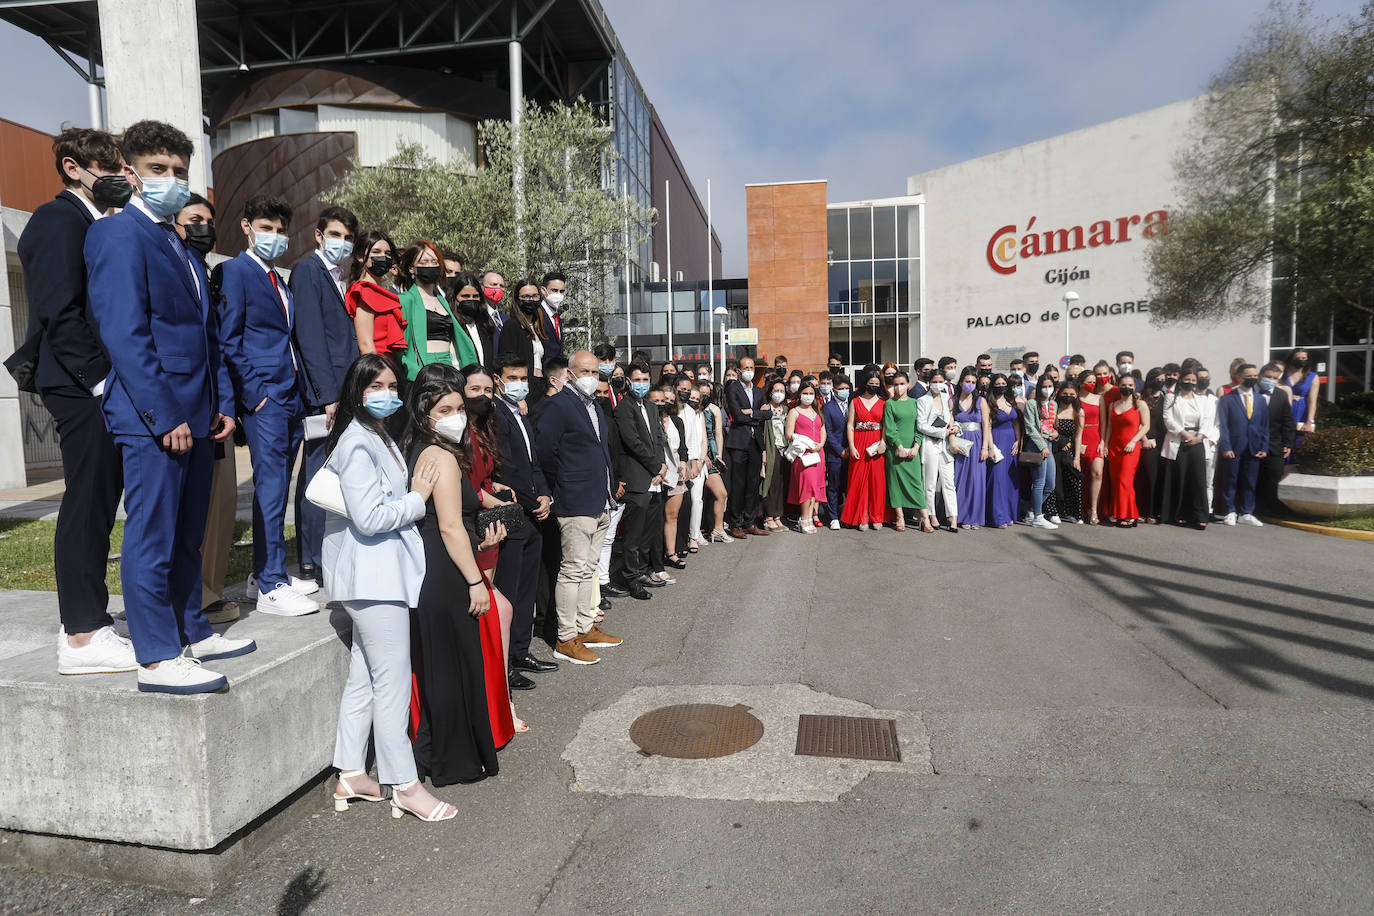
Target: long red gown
<point>866,500</point>
<point>1122,464</point>
<point>493,654</point>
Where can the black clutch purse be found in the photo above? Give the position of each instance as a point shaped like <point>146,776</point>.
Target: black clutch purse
<point>512,516</point>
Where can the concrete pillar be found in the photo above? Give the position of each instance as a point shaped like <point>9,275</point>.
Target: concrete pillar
<point>152,69</point>
<point>93,100</point>
<point>11,423</point>
<point>517,110</point>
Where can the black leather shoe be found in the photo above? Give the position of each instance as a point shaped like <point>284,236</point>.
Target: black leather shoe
<point>519,682</point>
<point>650,582</point>
<point>605,604</point>
<point>639,592</point>
<point>530,663</point>
<point>613,591</point>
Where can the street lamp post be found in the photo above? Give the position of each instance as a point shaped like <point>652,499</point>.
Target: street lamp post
<point>1070,297</point>
<point>724,316</point>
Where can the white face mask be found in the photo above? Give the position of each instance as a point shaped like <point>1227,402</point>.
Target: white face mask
<point>808,399</point>
<point>452,426</point>
<point>746,375</point>
<point>1123,369</point>
<point>777,397</point>
<point>587,385</point>
<point>793,387</point>
<point>555,301</point>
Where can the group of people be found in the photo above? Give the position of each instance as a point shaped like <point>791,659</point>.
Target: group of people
<point>478,467</point>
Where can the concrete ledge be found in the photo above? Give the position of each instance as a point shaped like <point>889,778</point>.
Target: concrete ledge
<point>93,758</point>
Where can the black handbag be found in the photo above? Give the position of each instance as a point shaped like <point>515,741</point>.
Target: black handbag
<point>1029,458</point>
<point>512,516</point>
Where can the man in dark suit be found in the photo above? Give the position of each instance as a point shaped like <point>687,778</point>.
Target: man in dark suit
<point>327,345</point>
<point>1283,434</point>
<point>167,398</point>
<point>256,334</point>
<point>1243,445</point>
<point>746,405</point>
<point>518,566</point>
<point>835,414</point>
<point>69,365</point>
<point>641,469</point>
<point>554,289</point>
<point>574,453</point>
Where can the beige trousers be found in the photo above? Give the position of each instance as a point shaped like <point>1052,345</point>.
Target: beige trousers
<point>219,528</point>
<point>582,536</point>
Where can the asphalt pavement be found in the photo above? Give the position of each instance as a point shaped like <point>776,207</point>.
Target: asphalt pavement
<point>1156,720</point>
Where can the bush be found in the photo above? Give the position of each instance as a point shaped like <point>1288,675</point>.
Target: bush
<point>1342,452</point>
<point>1355,409</point>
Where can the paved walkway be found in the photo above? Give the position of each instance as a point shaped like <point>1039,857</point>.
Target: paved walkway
<point>1153,721</point>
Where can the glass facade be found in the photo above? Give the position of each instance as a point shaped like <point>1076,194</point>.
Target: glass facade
<point>692,311</point>
<point>1340,349</point>
<point>875,287</point>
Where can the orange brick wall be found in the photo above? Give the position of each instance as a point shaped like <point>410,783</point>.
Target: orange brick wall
<point>787,272</point>
<point>27,174</point>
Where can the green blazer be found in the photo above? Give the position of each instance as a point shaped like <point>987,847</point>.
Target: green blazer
<point>416,355</point>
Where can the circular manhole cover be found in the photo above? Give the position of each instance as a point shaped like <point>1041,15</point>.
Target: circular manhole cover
<point>696,731</point>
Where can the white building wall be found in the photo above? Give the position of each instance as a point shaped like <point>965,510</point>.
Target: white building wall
<point>1115,171</point>
<point>379,131</point>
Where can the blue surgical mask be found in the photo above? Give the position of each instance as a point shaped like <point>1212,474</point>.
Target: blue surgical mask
<point>1019,390</point>
<point>381,404</point>
<point>515,392</point>
<point>336,251</point>
<point>1268,384</point>
<point>605,369</point>
<point>842,394</point>
<point>827,390</point>
<point>165,195</point>
<point>639,389</point>
<point>269,245</point>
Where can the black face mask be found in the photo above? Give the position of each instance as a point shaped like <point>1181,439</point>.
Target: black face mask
<point>428,275</point>
<point>470,308</point>
<point>1126,392</point>
<point>1204,383</point>
<point>478,406</point>
<point>111,191</point>
<point>1067,399</point>
<point>999,391</point>
<point>889,379</point>
<point>665,409</point>
<point>1186,386</point>
<point>379,265</point>
<point>1249,382</point>
<point>200,236</point>
<point>529,306</point>
<point>1171,382</point>
<point>1032,369</point>
<point>619,385</point>
<point>1299,364</point>
<point>694,403</point>
<point>604,403</point>
<point>873,387</point>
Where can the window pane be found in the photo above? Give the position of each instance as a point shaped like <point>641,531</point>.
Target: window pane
<point>884,286</point>
<point>839,289</point>
<point>909,232</point>
<point>884,232</point>
<point>837,235</point>
<point>861,286</point>
<point>861,232</point>
<point>903,286</point>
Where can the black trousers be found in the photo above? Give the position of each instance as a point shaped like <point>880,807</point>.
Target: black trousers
<point>1190,490</point>
<point>636,530</point>
<point>745,465</point>
<point>1267,491</point>
<point>517,576</point>
<point>657,516</point>
<point>550,558</point>
<point>94,474</point>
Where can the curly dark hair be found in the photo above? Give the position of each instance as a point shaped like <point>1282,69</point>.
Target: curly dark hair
<point>149,137</point>
<point>261,206</point>
<point>87,147</point>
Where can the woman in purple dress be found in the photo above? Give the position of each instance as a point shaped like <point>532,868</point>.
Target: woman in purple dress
<point>970,466</point>
<point>1004,477</point>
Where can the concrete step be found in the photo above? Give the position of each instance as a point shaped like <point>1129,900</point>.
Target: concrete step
<point>92,757</point>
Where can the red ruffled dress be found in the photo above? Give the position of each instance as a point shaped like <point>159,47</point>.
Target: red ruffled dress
<point>388,324</point>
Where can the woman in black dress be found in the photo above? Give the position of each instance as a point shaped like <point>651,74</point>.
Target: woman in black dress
<point>452,732</point>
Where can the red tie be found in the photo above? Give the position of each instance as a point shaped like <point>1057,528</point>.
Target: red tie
<point>272,275</point>
<point>556,326</point>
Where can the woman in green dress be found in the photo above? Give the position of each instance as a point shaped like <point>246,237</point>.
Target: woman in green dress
<point>433,334</point>
<point>905,489</point>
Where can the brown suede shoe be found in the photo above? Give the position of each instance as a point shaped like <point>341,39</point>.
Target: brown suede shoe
<point>756,530</point>
<point>574,651</point>
<point>738,533</point>
<point>597,638</point>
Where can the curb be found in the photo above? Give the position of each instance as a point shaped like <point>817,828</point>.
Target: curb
<point>1350,533</point>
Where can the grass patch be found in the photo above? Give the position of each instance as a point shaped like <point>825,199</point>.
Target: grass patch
<point>1354,522</point>
<point>26,557</point>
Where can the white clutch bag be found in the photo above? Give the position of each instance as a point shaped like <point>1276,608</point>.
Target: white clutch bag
<point>875,449</point>
<point>996,454</point>
<point>325,491</point>
<point>959,445</point>
<point>809,459</point>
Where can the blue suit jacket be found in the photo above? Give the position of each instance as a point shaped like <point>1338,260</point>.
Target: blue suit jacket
<point>520,470</point>
<point>836,417</point>
<point>1239,434</point>
<point>325,337</point>
<point>553,340</point>
<point>255,335</point>
<point>576,460</point>
<point>151,301</point>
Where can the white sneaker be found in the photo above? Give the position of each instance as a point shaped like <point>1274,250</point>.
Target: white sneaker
<point>1041,522</point>
<point>216,646</point>
<point>106,653</point>
<point>1229,519</point>
<point>302,586</point>
<point>1054,518</point>
<point>180,675</point>
<point>1251,521</point>
<point>834,524</point>
<point>285,601</point>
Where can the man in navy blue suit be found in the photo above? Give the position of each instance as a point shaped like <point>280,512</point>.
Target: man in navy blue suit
<point>1243,444</point>
<point>835,414</point>
<point>574,452</point>
<point>167,398</point>
<point>69,365</point>
<point>554,289</point>
<point>256,335</point>
<point>327,345</point>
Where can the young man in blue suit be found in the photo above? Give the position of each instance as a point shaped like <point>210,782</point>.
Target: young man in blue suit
<point>167,399</point>
<point>69,365</point>
<point>256,332</point>
<point>1243,445</point>
<point>554,290</point>
<point>835,414</point>
<point>327,345</point>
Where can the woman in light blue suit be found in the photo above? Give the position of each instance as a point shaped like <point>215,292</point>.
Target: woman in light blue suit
<point>374,563</point>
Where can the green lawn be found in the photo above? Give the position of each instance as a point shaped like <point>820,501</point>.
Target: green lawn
<point>26,554</point>
<point>1357,522</point>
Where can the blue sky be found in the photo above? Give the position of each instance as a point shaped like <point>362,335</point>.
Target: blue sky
<point>862,94</point>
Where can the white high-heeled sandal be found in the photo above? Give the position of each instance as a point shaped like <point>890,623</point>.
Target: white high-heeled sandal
<point>341,801</point>
<point>443,811</point>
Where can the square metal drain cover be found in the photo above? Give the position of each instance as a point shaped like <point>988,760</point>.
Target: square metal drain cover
<point>851,737</point>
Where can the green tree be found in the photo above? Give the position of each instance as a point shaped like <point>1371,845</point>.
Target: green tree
<point>1278,178</point>
<point>569,221</point>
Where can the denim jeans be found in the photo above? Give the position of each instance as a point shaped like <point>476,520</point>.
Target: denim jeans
<point>1042,483</point>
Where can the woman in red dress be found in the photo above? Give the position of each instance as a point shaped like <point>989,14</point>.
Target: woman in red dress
<point>1126,426</point>
<point>372,303</point>
<point>1094,452</point>
<point>865,504</point>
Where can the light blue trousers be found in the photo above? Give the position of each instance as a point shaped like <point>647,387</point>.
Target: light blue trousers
<point>376,698</point>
